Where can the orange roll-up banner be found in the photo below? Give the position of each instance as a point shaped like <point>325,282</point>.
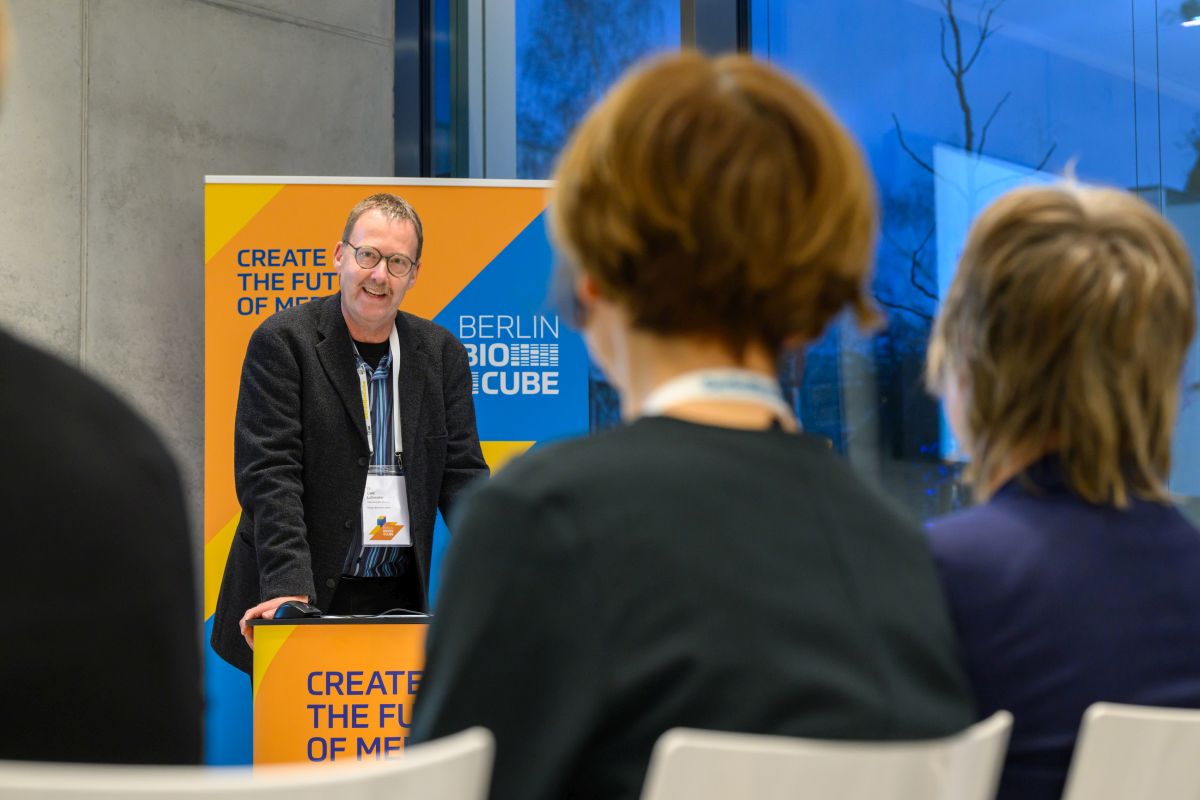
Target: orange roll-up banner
<point>484,274</point>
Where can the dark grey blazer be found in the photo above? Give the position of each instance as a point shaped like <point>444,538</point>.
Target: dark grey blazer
<point>300,455</point>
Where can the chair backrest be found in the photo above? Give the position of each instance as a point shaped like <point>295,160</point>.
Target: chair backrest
<point>458,767</point>
<point>699,765</point>
<point>1134,752</point>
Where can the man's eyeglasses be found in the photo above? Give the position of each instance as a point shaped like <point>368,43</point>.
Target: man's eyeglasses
<point>367,257</point>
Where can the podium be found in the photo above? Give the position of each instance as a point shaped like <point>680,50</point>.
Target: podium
<point>335,688</point>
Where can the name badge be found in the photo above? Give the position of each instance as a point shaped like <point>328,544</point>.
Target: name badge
<point>385,512</point>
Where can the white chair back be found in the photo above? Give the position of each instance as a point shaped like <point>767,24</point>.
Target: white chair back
<point>1133,752</point>
<point>458,767</point>
<point>707,765</point>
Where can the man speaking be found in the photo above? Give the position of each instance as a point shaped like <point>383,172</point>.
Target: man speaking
<point>354,425</point>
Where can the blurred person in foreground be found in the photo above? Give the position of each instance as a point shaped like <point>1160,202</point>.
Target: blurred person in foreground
<point>707,564</point>
<point>100,628</point>
<point>1058,352</point>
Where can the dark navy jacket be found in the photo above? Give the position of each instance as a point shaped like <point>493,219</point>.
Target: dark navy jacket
<point>1059,603</point>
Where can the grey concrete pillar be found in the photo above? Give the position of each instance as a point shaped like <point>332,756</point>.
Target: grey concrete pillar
<point>116,111</point>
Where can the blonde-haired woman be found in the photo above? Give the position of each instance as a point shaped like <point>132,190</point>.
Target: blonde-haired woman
<point>1058,350</point>
<point>705,565</point>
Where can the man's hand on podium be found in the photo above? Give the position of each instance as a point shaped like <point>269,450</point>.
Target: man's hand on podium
<point>264,611</point>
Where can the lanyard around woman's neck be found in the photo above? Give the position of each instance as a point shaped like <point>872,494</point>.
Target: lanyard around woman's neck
<point>720,384</point>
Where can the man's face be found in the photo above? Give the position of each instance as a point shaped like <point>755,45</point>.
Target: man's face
<point>370,297</point>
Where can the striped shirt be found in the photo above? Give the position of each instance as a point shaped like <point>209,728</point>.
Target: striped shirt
<point>378,562</point>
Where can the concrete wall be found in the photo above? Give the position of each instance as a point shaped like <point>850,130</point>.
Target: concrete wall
<point>115,111</point>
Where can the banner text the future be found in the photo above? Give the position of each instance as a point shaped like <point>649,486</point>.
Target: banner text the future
<point>278,274</point>
<point>376,728</point>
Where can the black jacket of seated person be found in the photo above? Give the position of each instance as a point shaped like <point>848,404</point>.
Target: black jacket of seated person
<point>599,592</point>
<point>100,628</point>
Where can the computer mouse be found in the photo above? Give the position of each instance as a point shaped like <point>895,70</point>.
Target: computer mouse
<point>295,609</point>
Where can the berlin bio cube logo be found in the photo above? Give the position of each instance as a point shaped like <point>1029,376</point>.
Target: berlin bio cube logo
<point>511,354</point>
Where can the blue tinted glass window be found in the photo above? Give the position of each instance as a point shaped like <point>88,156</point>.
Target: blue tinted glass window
<point>568,53</point>
<point>1177,80</point>
<point>443,143</point>
<point>955,102</point>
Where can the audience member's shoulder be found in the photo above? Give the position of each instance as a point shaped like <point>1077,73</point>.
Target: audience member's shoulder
<point>826,473</point>
<point>30,372</point>
<point>959,522</point>
<point>566,464</point>
<point>52,401</point>
<point>983,534</point>
<point>631,456</point>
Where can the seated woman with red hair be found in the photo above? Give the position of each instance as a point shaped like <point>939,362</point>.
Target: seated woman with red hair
<point>706,564</point>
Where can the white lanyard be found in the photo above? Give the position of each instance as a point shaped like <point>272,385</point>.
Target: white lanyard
<point>394,346</point>
<point>738,385</point>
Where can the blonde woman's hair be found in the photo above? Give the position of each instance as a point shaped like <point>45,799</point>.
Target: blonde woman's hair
<point>1067,324</point>
<point>719,198</point>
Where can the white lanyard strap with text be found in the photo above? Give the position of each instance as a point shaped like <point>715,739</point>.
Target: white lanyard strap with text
<point>737,385</point>
<point>364,390</point>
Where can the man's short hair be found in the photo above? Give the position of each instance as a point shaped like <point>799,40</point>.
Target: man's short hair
<point>392,207</point>
<point>1068,323</point>
<point>718,198</point>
